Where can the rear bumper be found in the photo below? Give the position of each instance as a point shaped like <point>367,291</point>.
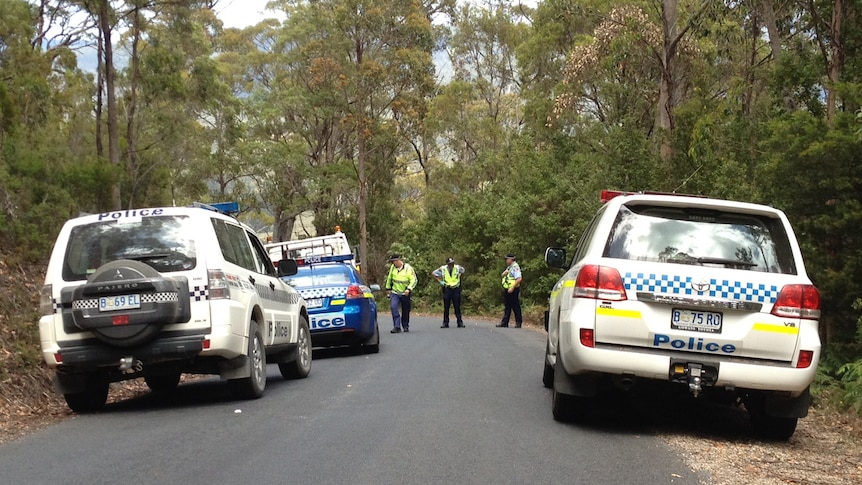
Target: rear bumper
<point>89,354</point>
<point>576,360</point>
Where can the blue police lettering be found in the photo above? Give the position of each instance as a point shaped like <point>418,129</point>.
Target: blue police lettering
<point>692,343</point>
<point>328,322</point>
<point>130,213</point>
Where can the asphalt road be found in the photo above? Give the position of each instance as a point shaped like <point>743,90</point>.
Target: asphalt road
<point>457,405</point>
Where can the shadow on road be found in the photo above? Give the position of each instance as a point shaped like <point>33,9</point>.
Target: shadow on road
<point>665,409</point>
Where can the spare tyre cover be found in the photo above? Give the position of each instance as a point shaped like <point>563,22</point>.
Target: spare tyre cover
<point>159,301</point>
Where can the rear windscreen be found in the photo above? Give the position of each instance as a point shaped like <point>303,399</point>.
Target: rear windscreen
<point>161,242</point>
<point>701,237</point>
<point>310,276</point>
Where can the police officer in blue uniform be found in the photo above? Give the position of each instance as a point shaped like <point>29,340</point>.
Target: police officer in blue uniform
<point>511,292</point>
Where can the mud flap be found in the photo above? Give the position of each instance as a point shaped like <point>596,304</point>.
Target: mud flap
<point>581,386</point>
<point>782,407</point>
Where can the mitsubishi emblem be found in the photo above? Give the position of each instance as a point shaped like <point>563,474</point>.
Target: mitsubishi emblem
<point>700,285</point>
<point>119,275</point>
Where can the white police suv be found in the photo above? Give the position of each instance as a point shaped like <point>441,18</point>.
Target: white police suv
<point>158,292</point>
<point>711,294</point>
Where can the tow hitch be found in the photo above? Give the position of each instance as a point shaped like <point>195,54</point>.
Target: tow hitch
<point>696,375</point>
<point>128,365</point>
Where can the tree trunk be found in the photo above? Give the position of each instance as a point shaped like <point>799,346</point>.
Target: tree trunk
<point>131,150</point>
<point>113,132</point>
<point>836,59</point>
<point>362,156</point>
<point>100,91</point>
<point>664,113</point>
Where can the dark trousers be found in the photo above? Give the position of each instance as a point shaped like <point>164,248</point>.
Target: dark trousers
<point>512,302</point>
<point>452,296</point>
<point>402,301</point>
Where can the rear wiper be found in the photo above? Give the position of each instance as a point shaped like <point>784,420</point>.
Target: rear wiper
<point>729,262</point>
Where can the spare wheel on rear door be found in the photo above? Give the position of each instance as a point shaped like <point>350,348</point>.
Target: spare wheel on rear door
<point>126,303</point>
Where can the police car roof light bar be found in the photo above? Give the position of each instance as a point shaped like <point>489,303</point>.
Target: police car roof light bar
<point>607,195</point>
<point>228,208</point>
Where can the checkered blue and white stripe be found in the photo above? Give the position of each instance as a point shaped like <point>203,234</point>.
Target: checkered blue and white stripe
<point>331,292</point>
<point>681,285</point>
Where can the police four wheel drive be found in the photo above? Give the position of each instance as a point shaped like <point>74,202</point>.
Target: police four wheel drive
<point>710,294</point>
<point>155,293</point>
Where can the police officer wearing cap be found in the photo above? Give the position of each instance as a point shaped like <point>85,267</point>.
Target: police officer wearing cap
<point>449,276</point>
<point>399,285</point>
<point>511,292</point>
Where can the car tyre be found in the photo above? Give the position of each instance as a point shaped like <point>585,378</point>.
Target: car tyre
<point>301,365</point>
<point>372,346</point>
<point>91,399</point>
<point>253,386</point>
<point>162,382</point>
<point>772,428</point>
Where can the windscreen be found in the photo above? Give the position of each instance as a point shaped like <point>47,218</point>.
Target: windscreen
<point>162,242</point>
<point>701,237</point>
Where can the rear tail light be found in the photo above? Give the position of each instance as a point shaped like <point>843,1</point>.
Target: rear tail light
<point>806,357</point>
<point>218,285</point>
<point>599,282</point>
<point>798,301</point>
<point>353,292</point>
<point>46,300</point>
<point>588,337</point>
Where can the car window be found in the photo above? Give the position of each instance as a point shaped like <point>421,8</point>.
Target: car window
<point>234,244</point>
<point>163,242</point>
<point>264,264</point>
<point>700,237</point>
<point>316,276</point>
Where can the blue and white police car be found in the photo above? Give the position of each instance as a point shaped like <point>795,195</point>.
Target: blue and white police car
<point>341,307</point>
<point>708,293</point>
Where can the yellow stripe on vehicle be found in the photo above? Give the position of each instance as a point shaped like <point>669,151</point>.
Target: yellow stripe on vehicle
<point>337,302</point>
<point>611,312</point>
<point>773,328</point>
<point>569,284</point>
<point>367,295</point>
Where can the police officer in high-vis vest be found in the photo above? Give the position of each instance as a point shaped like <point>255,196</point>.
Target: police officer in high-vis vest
<point>399,285</point>
<point>449,276</point>
<point>511,292</point>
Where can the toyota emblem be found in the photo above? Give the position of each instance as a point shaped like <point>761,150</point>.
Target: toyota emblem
<point>700,285</point>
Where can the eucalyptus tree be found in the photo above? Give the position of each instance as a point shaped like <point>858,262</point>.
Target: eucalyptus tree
<point>487,84</point>
<point>354,69</point>
<point>48,170</point>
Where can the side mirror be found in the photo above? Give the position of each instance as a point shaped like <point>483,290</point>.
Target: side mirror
<point>375,287</point>
<point>287,267</point>
<point>555,257</point>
